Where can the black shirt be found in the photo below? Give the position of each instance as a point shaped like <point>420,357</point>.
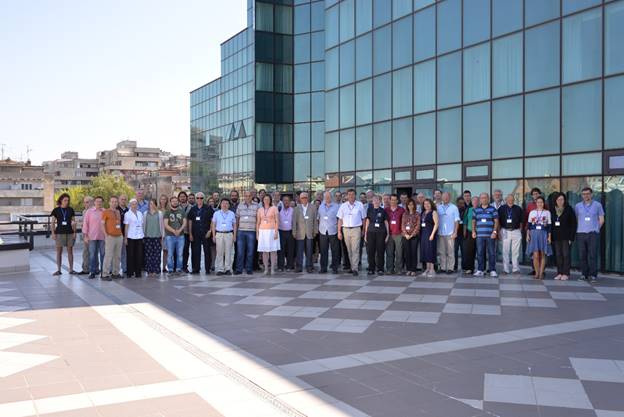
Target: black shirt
<point>514,213</point>
<point>564,226</point>
<point>376,216</point>
<point>64,217</point>
<point>204,214</point>
<point>123,212</point>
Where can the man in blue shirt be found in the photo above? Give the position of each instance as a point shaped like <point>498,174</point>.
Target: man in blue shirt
<point>328,233</point>
<point>590,218</point>
<point>484,230</point>
<point>447,233</point>
<point>223,231</point>
<point>142,202</point>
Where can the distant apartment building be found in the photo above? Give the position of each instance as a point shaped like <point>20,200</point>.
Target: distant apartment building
<point>71,170</point>
<point>24,189</point>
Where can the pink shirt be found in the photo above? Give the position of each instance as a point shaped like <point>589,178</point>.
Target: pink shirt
<point>92,224</point>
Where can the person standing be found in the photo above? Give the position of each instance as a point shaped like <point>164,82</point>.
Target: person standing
<point>305,227</point>
<point>199,220</point>
<point>410,226</point>
<point>87,203</point>
<point>328,233</point>
<point>510,221</point>
<point>394,247</point>
<point>92,231</point>
<point>64,232</point>
<point>497,199</point>
<point>113,240</point>
<point>286,255</point>
<point>448,215</point>
<point>485,231</point>
<point>154,232</point>
<point>191,199</point>
<point>562,234</point>
<point>530,206</point>
<point>175,223</point>
<point>142,201</point>
<point>223,231</point>
<point>376,232</point>
<point>428,229</point>
<point>437,197</point>
<point>590,218</point>
<point>267,232</point>
<point>467,197</point>
<point>459,240</point>
<point>123,209</point>
<point>246,217</point>
<point>186,207</point>
<point>468,254</point>
<point>538,236</point>
<point>344,254</point>
<point>133,237</point>
<point>350,220</point>
<point>234,200</point>
<point>163,205</point>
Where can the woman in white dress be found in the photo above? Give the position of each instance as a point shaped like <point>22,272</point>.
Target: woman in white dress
<point>267,233</point>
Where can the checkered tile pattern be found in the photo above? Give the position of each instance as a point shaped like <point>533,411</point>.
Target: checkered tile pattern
<point>335,303</point>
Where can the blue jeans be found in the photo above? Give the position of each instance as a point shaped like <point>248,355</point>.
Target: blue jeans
<point>245,243</point>
<point>486,244</point>
<point>175,245</point>
<point>96,247</point>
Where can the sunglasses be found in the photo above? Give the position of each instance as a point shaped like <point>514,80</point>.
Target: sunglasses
<point>199,198</point>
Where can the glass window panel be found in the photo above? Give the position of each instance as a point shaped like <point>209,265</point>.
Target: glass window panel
<point>614,34</point>
<point>582,117</point>
<point>363,57</point>
<point>264,16</point>
<point>508,168</point>
<point>302,137</point>
<point>537,11</point>
<point>331,27</point>
<point>331,110</point>
<point>382,176</point>
<point>547,166</point>
<point>424,174</point>
<point>331,68</point>
<point>476,21</point>
<point>425,139</point>
<point>318,76</point>
<point>317,48</point>
<point>419,4</point>
<point>364,102</point>
<point>382,58</point>
<point>283,19</point>
<point>507,127</point>
<point>510,187</point>
<point>541,124</point>
<point>347,150</point>
<point>614,227</point>
<point>347,106</point>
<point>302,48</point>
<point>616,162</point>
<point>317,13</point>
<point>449,172</point>
<point>476,187</point>
<point>582,46</point>
<point>364,147</point>
<point>542,56</point>
<point>347,61</point>
<point>506,16</point>
<point>284,78</point>
<point>449,135</point>
<point>382,103</point>
<point>402,92</point>
<point>318,106</point>
<point>317,160</point>
<point>477,171</point>
<point>401,8</point>
<point>332,154</point>
<point>381,12</point>
<point>302,18</point>
<point>424,86</point>
<point>381,145</point>
<point>402,42</point>
<point>403,175</point>
<point>302,166</point>
<point>582,164</point>
<point>571,6</point>
<point>264,137</point>
<point>476,132</point>
<point>402,142</point>
<point>449,25</point>
<point>424,34</point>
<point>449,80</point>
<point>364,178</point>
<point>317,136</point>
<point>363,16</point>
<point>302,107</point>
<point>507,65</point>
<point>477,73</point>
<point>614,109</point>
<point>302,78</point>
<point>264,76</point>
<point>347,20</point>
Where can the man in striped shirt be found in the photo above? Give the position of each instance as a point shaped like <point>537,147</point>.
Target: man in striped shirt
<point>484,230</point>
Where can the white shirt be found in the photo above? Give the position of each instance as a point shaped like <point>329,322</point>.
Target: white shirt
<point>351,215</point>
<point>304,209</point>
<point>134,224</point>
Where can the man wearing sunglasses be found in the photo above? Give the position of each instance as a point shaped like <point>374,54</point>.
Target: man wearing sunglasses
<point>199,219</point>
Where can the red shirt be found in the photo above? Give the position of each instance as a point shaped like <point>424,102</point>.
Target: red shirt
<point>394,219</point>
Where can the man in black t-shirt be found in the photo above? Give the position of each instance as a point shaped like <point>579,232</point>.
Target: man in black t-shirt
<point>64,232</point>
<point>199,219</point>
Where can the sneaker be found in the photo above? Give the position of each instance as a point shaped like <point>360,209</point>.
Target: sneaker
<point>557,277</point>
<point>91,276</point>
<point>425,274</point>
<point>219,273</point>
<point>370,273</point>
<point>493,274</point>
<point>431,274</point>
<point>478,274</point>
<point>593,280</point>
<point>107,278</point>
<point>228,272</point>
<point>356,273</point>
<point>380,272</point>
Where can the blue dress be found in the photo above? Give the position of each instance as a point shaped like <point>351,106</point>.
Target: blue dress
<point>428,251</point>
<point>539,240</point>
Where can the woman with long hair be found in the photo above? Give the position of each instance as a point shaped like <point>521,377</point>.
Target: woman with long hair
<point>63,230</point>
<point>428,230</point>
<point>154,230</point>
<point>267,233</point>
<point>410,227</point>
<point>163,205</point>
<point>538,236</point>
<point>563,234</point>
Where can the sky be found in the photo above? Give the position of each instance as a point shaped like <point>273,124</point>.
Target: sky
<point>82,75</point>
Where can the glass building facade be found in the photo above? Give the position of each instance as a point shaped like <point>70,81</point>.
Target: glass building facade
<point>412,95</point>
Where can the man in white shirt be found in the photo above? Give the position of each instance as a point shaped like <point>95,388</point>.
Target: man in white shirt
<point>448,215</point>
<point>497,199</point>
<point>350,216</point>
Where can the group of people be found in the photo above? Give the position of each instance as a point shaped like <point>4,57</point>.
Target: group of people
<point>402,234</point>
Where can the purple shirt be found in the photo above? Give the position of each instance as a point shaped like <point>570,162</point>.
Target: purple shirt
<point>285,219</point>
<point>587,216</point>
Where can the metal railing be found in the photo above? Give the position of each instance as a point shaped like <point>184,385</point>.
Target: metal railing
<point>27,226</point>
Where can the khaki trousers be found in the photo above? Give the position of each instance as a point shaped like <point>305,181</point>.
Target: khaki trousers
<point>112,255</point>
<point>446,252</point>
<point>352,237</point>
<point>85,256</point>
<point>225,252</point>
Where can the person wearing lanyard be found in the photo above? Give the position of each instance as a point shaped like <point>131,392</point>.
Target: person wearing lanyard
<point>64,232</point>
<point>410,227</point>
<point>428,228</point>
<point>154,231</point>
<point>186,207</point>
<point>246,215</point>
<point>92,232</point>
<point>510,216</point>
<point>468,253</point>
<point>350,218</point>
<point>459,240</point>
<point>123,209</point>
<point>304,228</point>
<point>133,233</point>
<point>590,215</point>
<point>562,235</point>
<point>538,237</point>
<point>376,232</point>
<point>199,219</point>
<point>286,255</point>
<point>394,247</point>
<point>267,234</point>
<point>328,233</point>
<point>449,224</point>
<point>113,240</point>
<point>223,230</point>
<point>485,231</point>
<point>175,224</point>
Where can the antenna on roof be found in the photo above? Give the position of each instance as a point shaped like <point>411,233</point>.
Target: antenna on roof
<point>2,145</point>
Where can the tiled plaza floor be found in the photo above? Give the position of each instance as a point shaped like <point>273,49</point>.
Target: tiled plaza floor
<point>310,344</point>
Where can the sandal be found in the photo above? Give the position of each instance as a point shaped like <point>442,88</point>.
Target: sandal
<point>57,273</point>
<point>72,272</point>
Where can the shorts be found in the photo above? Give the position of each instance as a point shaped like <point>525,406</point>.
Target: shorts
<point>65,240</point>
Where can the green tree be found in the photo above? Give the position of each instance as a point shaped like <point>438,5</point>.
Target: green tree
<point>103,185</point>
